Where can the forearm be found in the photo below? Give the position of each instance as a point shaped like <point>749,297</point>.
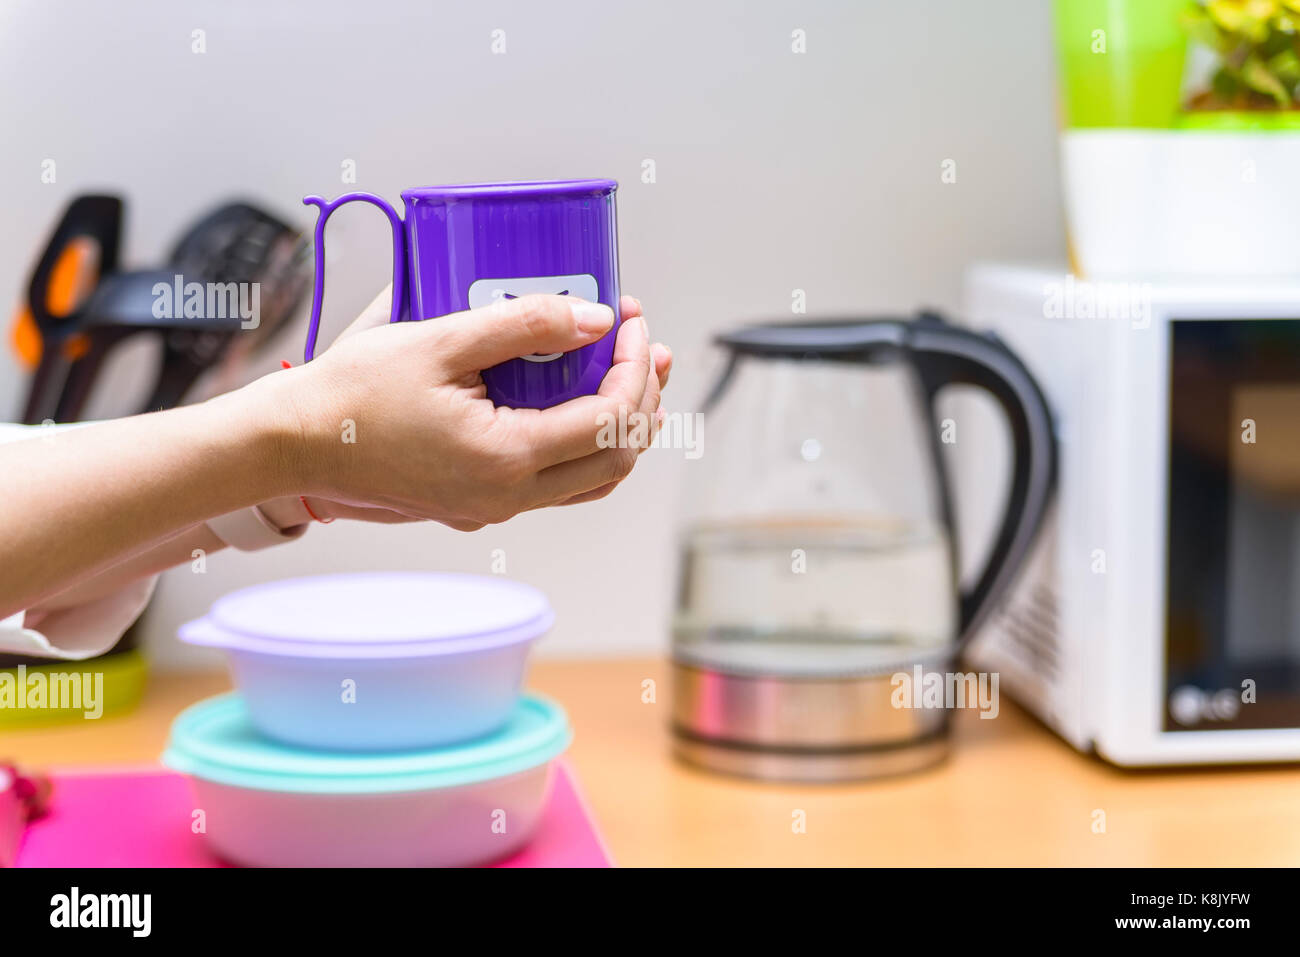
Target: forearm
<point>177,550</point>
<point>75,503</point>
<point>187,546</point>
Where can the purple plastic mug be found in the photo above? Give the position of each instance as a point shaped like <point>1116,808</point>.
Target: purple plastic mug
<point>461,247</point>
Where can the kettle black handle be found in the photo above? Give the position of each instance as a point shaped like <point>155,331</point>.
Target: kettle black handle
<point>945,355</point>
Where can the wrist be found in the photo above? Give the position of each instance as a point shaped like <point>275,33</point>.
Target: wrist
<point>265,413</point>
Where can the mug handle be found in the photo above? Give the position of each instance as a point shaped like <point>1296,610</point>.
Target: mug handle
<point>318,248</point>
<point>948,355</point>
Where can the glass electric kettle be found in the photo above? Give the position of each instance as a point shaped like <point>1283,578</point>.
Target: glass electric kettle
<point>819,561</point>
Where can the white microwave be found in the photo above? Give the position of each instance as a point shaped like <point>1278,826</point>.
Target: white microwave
<point>1157,619</point>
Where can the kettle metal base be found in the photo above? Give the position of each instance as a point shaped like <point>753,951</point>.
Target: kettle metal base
<point>810,766</point>
<point>821,729</point>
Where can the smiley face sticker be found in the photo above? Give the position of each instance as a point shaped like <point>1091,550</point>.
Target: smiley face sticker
<point>484,292</point>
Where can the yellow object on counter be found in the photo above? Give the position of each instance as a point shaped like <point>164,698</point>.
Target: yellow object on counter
<point>33,696</point>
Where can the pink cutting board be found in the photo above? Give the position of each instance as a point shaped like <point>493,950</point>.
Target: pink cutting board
<point>141,819</point>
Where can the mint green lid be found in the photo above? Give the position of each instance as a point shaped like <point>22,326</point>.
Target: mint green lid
<point>215,740</point>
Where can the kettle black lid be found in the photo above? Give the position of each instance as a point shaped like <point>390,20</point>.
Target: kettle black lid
<point>825,338</point>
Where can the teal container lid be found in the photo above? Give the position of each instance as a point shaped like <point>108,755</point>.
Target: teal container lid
<point>215,740</point>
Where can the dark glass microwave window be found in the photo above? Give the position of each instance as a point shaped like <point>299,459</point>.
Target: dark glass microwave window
<point>1233,610</point>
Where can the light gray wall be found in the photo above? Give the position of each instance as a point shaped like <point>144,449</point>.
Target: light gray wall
<point>775,171</point>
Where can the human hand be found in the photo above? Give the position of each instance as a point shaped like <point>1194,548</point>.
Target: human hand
<point>428,441</point>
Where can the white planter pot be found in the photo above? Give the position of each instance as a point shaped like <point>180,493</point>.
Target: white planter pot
<point>1153,204</point>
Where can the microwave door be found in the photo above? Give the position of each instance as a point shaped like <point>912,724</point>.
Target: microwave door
<point>1233,556</point>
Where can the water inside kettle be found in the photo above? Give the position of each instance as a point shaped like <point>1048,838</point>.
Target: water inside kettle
<point>821,597</point>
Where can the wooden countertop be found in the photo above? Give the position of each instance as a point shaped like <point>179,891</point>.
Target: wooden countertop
<point>1011,794</point>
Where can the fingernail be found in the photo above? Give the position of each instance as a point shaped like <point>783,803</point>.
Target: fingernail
<point>645,328</point>
<point>593,316</point>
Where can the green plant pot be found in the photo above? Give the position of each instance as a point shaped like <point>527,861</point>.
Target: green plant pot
<point>1230,121</point>
<point>1121,62</point>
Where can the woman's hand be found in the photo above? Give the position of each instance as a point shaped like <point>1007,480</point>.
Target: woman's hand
<point>395,424</point>
<point>391,424</point>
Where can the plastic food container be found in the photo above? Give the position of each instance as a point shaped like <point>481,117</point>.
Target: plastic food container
<point>268,804</point>
<point>381,661</point>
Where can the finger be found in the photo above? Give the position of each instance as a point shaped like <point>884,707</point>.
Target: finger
<point>584,425</point>
<point>653,388</point>
<point>581,477</point>
<point>362,513</point>
<point>562,482</point>
<point>376,314</point>
<point>663,357</point>
<point>631,361</point>
<point>594,495</point>
<point>649,419</point>
<point>481,338</point>
<point>462,525</point>
<point>649,424</point>
<point>629,307</point>
<point>639,431</point>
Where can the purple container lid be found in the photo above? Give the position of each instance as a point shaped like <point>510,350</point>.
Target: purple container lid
<point>374,615</point>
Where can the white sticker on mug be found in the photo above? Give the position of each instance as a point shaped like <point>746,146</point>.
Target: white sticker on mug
<point>484,292</point>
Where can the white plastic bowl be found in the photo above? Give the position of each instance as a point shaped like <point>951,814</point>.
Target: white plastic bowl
<point>272,805</point>
<point>383,661</point>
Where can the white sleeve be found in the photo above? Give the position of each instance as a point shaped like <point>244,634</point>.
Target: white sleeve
<point>80,631</point>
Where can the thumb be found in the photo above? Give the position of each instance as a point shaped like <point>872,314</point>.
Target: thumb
<point>530,325</point>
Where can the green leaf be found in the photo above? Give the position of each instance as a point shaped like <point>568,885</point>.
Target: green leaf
<point>1225,85</point>
<point>1257,76</point>
<point>1226,14</point>
<point>1285,66</point>
<point>1261,9</point>
<point>1203,30</point>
